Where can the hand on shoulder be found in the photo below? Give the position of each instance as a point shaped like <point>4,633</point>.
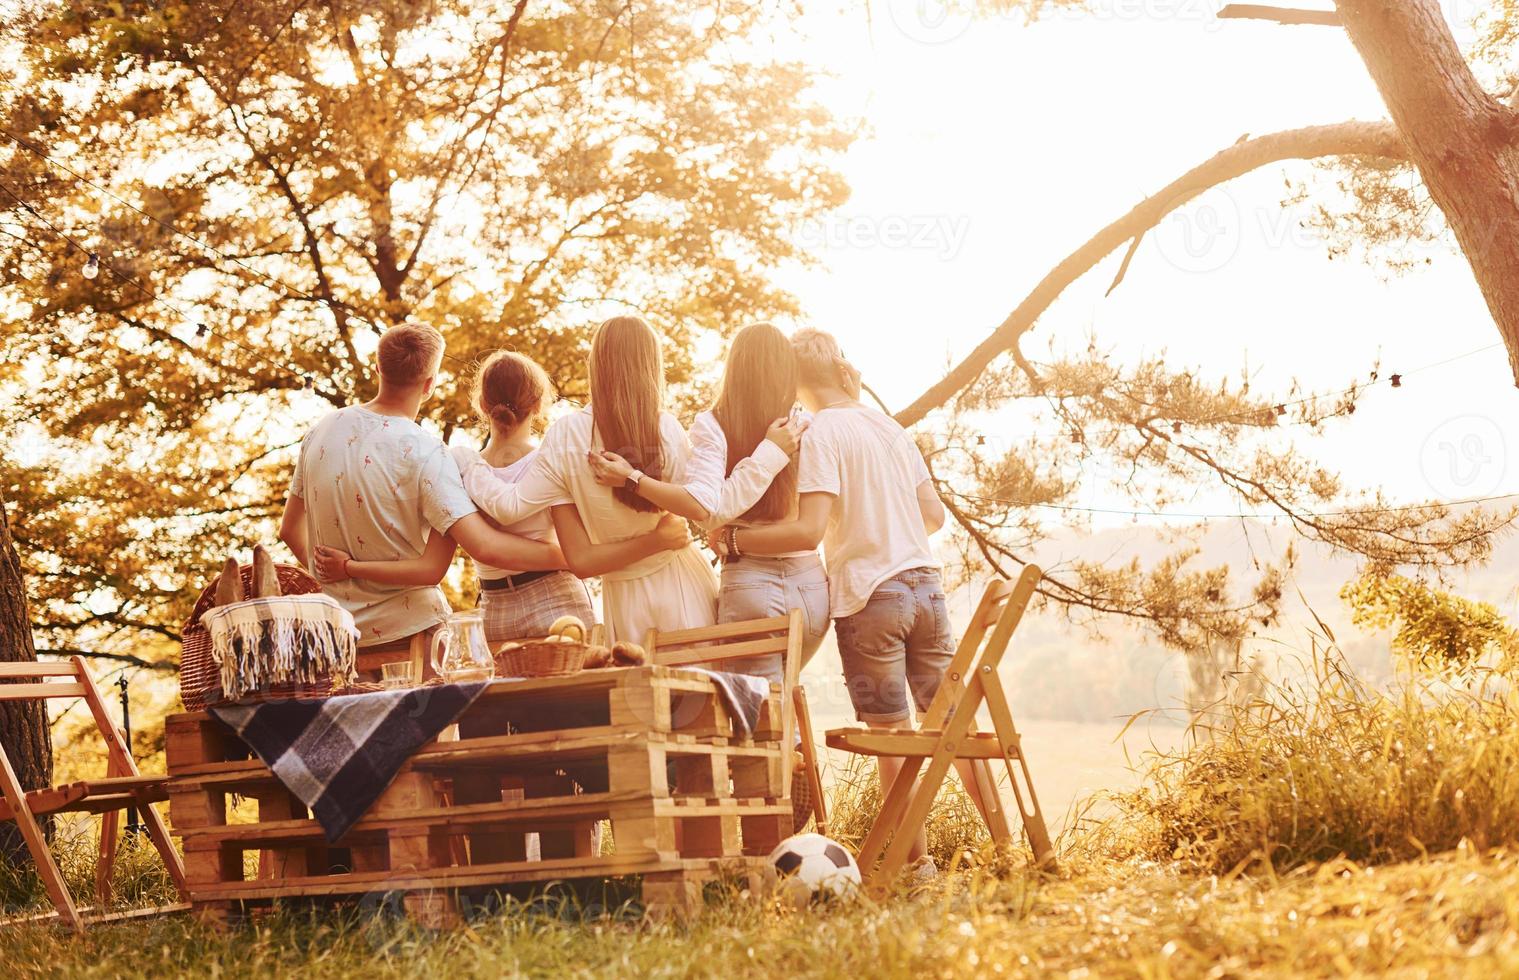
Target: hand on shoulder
<point>465,457</point>
<point>787,432</point>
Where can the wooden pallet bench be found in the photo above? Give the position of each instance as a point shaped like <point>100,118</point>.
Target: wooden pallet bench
<point>651,750</point>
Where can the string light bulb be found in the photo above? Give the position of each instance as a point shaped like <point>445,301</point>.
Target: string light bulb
<point>1397,381</point>
<point>201,330</point>
<point>1176,428</point>
<point>92,266</point>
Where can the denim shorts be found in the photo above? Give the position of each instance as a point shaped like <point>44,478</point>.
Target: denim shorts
<point>757,587</point>
<point>899,642</point>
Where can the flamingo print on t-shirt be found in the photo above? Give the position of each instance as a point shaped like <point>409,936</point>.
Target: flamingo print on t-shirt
<point>392,483</point>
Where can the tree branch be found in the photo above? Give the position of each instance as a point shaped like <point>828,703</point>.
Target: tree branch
<point>160,666</point>
<point>1280,15</point>
<point>1373,139</point>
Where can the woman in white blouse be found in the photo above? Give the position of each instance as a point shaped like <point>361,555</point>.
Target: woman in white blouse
<point>742,472</point>
<point>668,590</point>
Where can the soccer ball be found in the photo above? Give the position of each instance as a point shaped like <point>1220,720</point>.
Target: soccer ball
<point>813,864</point>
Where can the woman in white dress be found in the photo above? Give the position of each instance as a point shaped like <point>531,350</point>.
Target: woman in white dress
<point>743,473</point>
<point>669,590</point>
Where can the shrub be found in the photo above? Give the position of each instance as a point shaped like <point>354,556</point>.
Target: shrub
<point>138,879</point>
<point>954,826</point>
<point>1333,769</point>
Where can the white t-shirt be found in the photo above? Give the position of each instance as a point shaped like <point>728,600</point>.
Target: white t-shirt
<point>538,526</point>
<point>375,486</point>
<point>725,496</point>
<point>875,530</point>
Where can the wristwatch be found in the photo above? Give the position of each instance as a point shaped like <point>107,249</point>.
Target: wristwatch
<point>634,479</point>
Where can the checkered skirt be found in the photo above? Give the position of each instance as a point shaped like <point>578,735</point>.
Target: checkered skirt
<point>529,611</point>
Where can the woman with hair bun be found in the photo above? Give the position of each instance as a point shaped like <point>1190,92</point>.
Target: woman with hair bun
<point>511,395</point>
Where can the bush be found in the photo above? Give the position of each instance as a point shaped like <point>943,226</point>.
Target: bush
<point>139,878</point>
<point>954,826</point>
<point>1334,769</point>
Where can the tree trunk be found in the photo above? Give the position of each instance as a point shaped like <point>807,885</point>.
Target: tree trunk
<point>23,725</point>
<point>1460,138</point>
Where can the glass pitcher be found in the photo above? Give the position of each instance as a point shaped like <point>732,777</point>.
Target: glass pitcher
<point>460,654</point>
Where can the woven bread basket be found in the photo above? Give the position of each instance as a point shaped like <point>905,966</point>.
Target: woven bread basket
<point>200,683</point>
<point>561,652</point>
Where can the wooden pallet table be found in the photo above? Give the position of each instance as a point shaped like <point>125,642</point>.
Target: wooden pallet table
<point>652,750</point>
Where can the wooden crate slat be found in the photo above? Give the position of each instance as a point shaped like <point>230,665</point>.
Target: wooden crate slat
<point>457,877</point>
<point>451,820</point>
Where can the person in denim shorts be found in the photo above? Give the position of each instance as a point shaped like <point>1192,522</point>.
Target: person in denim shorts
<point>866,495</point>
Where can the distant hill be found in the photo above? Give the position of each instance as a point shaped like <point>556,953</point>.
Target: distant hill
<point>1058,670</point>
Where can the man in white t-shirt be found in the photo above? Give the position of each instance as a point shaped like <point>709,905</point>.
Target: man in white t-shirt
<point>373,483</point>
<point>866,495</point>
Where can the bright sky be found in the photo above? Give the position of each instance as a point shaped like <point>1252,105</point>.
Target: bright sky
<point>995,148</point>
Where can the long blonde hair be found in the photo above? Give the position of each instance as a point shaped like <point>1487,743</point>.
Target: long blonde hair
<point>627,369</point>
<point>759,386</point>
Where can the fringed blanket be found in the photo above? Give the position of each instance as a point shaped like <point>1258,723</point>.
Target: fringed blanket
<point>337,755</point>
<point>301,639</point>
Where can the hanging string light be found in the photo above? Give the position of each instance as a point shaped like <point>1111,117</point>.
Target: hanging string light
<point>1232,515</point>
<point>92,266</point>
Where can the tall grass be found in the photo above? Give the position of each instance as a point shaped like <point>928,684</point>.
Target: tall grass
<point>956,832</point>
<point>1329,768</point>
<point>139,878</point>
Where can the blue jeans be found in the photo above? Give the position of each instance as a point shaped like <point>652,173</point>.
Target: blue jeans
<point>899,642</point>
<point>757,587</point>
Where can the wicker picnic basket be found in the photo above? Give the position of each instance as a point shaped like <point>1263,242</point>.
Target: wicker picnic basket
<point>561,652</point>
<point>200,684</point>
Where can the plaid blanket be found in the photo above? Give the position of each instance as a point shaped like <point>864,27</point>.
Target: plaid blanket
<point>743,695</point>
<point>337,755</point>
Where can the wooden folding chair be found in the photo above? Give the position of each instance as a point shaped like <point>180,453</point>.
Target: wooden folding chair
<point>122,787</point>
<point>948,733</point>
<point>711,645</point>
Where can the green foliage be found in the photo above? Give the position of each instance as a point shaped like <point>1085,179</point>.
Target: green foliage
<point>1330,769</point>
<point>510,172</point>
<point>955,829</point>
<point>139,879</point>
<point>1452,915</point>
<point>1434,629</point>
